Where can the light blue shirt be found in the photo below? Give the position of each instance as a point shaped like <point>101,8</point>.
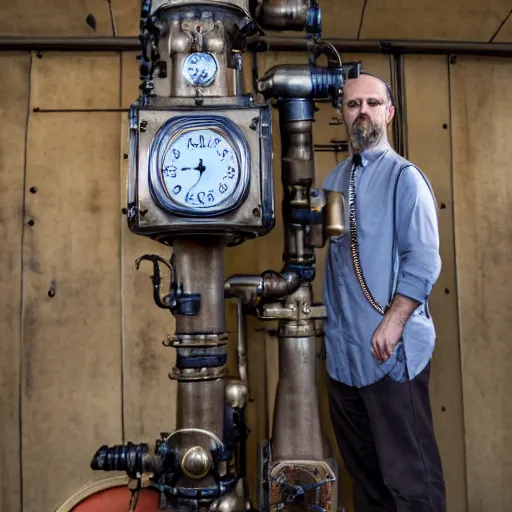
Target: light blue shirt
<point>404,259</point>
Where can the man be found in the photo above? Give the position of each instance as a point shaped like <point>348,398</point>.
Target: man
<point>379,333</point>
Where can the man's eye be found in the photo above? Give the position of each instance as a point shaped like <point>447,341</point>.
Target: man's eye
<point>352,104</point>
<point>374,103</point>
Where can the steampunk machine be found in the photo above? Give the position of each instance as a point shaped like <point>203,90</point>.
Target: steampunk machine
<point>201,180</point>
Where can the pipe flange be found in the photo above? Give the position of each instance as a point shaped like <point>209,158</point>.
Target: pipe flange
<point>195,374</point>
<point>196,340</point>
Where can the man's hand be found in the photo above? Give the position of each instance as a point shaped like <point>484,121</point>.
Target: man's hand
<point>390,330</point>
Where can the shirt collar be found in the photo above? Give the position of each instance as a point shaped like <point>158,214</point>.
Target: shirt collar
<point>369,155</point>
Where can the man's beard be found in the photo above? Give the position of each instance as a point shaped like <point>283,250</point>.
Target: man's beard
<point>365,134</point>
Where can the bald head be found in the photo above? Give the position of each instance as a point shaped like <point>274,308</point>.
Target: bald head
<point>367,109</point>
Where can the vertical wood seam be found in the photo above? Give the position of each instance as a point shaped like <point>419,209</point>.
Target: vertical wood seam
<point>361,20</point>
<point>121,245</point>
<point>22,282</point>
<point>456,275</point>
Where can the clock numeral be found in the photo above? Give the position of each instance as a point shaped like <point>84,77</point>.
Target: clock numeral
<point>170,171</point>
<point>176,190</point>
<point>210,196</point>
<point>176,153</point>
<point>217,142</point>
<point>224,153</point>
<point>200,197</point>
<point>193,71</point>
<point>222,188</point>
<point>230,173</point>
<point>189,198</point>
<point>199,144</point>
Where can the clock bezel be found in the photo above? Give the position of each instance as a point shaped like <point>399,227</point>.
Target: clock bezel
<point>171,131</point>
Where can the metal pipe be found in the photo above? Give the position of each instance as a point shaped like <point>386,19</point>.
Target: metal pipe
<point>282,14</point>
<point>80,44</point>
<point>200,269</point>
<point>241,347</point>
<point>275,44</point>
<point>210,414</point>
<point>296,429</point>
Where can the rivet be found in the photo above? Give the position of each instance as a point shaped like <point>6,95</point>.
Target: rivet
<point>33,190</point>
<point>51,293</point>
<point>31,222</point>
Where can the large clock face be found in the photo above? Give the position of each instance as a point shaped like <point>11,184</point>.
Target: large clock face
<point>199,165</point>
<point>200,169</point>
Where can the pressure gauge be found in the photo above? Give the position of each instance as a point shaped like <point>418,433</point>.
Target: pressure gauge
<point>199,69</point>
<point>199,165</point>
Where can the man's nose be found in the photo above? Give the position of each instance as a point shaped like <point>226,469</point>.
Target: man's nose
<point>363,107</point>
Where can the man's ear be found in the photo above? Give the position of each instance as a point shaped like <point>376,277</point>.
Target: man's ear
<point>390,113</point>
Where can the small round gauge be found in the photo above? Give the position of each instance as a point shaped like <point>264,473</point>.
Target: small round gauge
<point>199,69</point>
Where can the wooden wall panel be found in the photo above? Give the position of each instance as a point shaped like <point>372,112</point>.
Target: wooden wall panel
<point>126,17</point>
<point>430,148</point>
<point>149,394</point>
<point>14,91</point>
<point>451,20</point>
<point>71,348</point>
<point>54,17</point>
<point>483,201</point>
<point>75,81</point>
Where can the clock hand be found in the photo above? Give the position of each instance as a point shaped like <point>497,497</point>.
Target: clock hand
<point>201,168</point>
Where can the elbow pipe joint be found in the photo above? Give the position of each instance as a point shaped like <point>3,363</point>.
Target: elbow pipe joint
<point>278,285</point>
<point>269,285</point>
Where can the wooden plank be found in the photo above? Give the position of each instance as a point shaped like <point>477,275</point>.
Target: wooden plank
<point>55,18</point>
<point>126,17</point>
<point>149,394</point>
<point>75,81</point>
<point>14,94</point>
<point>426,83</point>
<point>130,79</point>
<point>71,375</point>
<point>451,20</point>
<point>481,127</point>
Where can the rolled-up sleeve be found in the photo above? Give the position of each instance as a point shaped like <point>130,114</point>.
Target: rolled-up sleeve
<point>417,237</point>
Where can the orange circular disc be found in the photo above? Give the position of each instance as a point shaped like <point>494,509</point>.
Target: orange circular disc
<point>110,495</point>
